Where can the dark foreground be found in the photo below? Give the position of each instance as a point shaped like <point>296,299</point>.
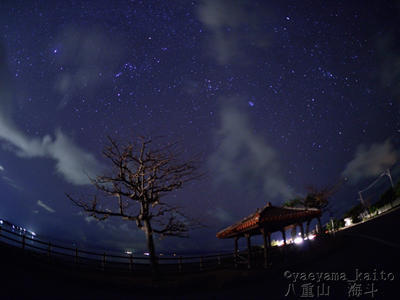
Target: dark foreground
<point>361,262</point>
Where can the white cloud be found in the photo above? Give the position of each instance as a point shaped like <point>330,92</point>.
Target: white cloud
<point>72,161</point>
<point>244,159</point>
<point>45,206</point>
<point>370,162</point>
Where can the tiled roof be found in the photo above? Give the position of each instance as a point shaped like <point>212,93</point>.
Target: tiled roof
<point>269,217</point>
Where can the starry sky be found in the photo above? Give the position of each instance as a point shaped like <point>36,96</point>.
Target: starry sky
<point>275,95</point>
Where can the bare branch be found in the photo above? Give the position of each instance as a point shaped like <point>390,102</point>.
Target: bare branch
<point>141,174</point>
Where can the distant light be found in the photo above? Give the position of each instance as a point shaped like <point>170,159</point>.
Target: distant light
<point>348,222</point>
<point>311,236</point>
<point>251,103</point>
<point>298,240</point>
<point>128,252</point>
<point>55,51</point>
<point>146,253</point>
<point>1,221</point>
<point>34,234</point>
<point>279,243</point>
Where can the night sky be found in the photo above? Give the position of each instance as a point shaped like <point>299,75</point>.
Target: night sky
<point>275,95</point>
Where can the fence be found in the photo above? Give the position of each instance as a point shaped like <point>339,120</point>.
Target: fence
<point>81,258</point>
<point>128,263</point>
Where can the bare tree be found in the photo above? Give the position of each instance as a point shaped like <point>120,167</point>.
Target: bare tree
<point>316,197</point>
<point>142,174</point>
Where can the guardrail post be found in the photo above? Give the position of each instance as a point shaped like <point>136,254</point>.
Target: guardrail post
<point>76,256</point>
<point>180,264</point>
<point>23,242</point>
<point>130,263</point>
<point>49,249</point>
<point>104,261</point>
<point>201,263</point>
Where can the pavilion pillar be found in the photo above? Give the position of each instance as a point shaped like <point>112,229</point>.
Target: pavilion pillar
<point>284,236</point>
<point>265,238</point>
<point>248,251</point>
<point>235,255</point>
<point>301,230</point>
<point>308,227</point>
<point>320,231</point>
<point>293,232</point>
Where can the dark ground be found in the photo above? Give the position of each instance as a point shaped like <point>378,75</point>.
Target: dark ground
<point>371,247</point>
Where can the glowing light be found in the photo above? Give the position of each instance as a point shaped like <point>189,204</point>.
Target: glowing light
<point>128,252</point>
<point>348,222</point>
<point>298,240</point>
<point>280,243</point>
<point>146,253</point>
<point>311,236</point>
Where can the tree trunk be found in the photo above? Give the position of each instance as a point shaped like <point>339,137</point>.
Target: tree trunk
<point>150,245</point>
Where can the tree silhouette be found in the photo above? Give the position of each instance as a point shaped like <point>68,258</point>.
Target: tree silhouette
<point>316,197</point>
<point>141,175</point>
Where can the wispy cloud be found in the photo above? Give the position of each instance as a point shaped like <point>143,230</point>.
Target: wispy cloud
<point>221,215</point>
<point>89,219</point>
<point>244,159</point>
<point>8,180</point>
<point>370,161</point>
<point>45,206</point>
<point>72,162</point>
<point>227,21</point>
<point>88,57</point>
<point>11,182</point>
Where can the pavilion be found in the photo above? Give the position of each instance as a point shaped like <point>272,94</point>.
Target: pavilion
<point>267,220</point>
